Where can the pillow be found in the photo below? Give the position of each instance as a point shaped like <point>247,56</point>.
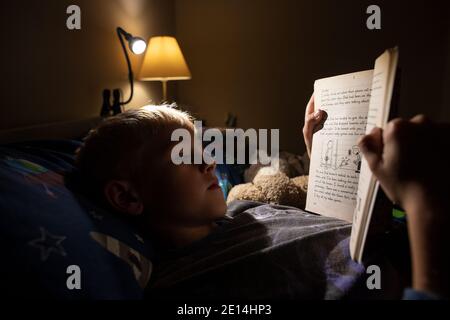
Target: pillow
<point>45,228</point>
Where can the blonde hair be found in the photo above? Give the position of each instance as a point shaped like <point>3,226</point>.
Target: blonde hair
<point>113,149</point>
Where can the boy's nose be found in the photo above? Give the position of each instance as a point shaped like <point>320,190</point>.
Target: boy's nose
<point>205,167</point>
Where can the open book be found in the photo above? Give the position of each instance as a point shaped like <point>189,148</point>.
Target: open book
<point>341,184</point>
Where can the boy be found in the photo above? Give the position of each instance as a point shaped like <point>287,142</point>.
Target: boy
<point>128,161</point>
<point>255,251</point>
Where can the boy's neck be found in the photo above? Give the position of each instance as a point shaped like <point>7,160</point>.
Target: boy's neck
<point>181,236</point>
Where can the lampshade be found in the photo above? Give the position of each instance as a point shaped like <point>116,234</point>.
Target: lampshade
<point>164,61</point>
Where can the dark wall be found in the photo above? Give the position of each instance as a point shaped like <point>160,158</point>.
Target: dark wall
<point>255,58</point>
<point>51,74</point>
<point>259,58</point>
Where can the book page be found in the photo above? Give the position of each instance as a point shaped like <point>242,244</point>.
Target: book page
<point>335,157</point>
<point>382,87</point>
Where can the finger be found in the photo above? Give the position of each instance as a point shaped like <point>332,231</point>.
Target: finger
<point>392,129</point>
<point>317,116</point>
<point>313,121</point>
<point>320,122</point>
<point>419,119</point>
<point>371,146</point>
<point>310,106</point>
<point>322,116</point>
<point>318,128</point>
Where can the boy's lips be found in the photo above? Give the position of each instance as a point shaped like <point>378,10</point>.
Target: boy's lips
<point>214,185</point>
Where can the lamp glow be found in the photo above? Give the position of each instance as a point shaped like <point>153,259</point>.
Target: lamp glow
<point>164,62</point>
<point>137,45</point>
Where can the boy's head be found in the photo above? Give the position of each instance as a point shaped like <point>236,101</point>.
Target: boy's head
<point>126,161</point>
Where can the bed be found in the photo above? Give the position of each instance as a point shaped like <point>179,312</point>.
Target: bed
<point>48,229</point>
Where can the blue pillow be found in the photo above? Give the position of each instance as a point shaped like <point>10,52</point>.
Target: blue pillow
<point>45,228</point>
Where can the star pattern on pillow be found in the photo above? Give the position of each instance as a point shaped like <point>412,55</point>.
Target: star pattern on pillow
<point>48,243</point>
<point>139,238</point>
<point>95,215</point>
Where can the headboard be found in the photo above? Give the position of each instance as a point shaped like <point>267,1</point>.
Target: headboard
<point>57,130</point>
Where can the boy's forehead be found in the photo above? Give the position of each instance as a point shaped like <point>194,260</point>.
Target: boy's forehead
<point>162,141</point>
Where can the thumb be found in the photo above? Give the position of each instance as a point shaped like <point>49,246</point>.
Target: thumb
<point>371,146</point>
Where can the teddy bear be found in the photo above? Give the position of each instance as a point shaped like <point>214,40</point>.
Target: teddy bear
<point>275,186</point>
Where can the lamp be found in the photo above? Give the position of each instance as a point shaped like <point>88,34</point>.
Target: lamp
<point>163,62</point>
<point>137,45</point>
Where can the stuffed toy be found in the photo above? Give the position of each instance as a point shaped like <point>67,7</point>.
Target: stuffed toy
<point>290,164</point>
<point>274,187</point>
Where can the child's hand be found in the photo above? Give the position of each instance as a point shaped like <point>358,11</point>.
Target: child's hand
<point>314,122</point>
<point>410,160</point>
<point>407,155</point>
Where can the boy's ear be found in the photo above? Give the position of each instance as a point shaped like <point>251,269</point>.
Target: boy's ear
<point>123,197</point>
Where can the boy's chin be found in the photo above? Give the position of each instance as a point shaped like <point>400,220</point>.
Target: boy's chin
<point>218,207</point>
